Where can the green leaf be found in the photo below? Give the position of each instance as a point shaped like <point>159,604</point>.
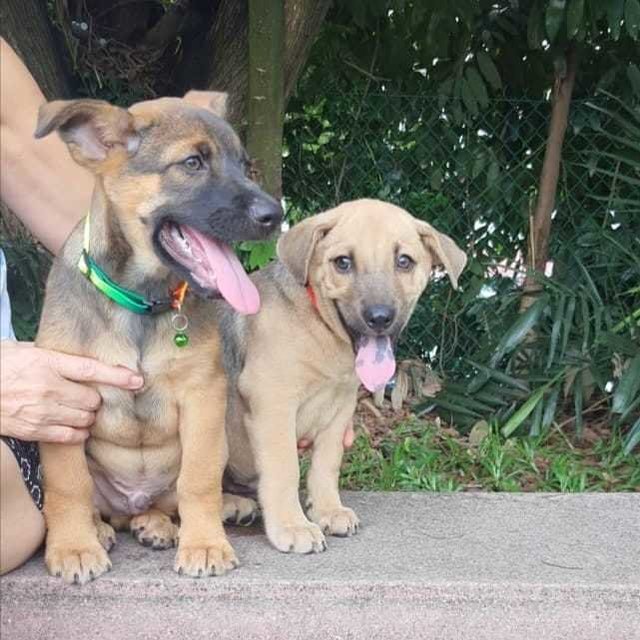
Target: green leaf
<point>554,18</point>
<point>568,323</point>
<point>632,18</point>
<point>575,15</point>
<point>586,322</point>
<point>477,86</point>
<point>493,174</point>
<point>615,9</point>
<point>469,98</point>
<point>630,409</point>
<point>628,387</point>
<point>479,381</point>
<point>633,73</point>
<point>607,79</point>
<point>633,439</point>
<point>555,330</point>
<point>436,179</point>
<point>479,164</point>
<point>489,70</point>
<point>463,400</point>
<point>260,253</point>
<point>449,406</point>
<point>578,403</point>
<point>535,27</point>
<point>498,376</point>
<point>550,409</point>
<point>446,87</point>
<point>536,421</point>
<point>519,330</point>
<point>523,412</point>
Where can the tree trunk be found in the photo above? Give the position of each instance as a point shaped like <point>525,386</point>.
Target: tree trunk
<point>540,222</point>
<point>25,25</point>
<point>265,107</point>
<point>219,60</point>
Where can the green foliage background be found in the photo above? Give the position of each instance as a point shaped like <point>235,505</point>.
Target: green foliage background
<point>443,107</point>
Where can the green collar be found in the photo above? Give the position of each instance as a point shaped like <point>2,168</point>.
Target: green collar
<point>130,299</point>
<point>120,295</point>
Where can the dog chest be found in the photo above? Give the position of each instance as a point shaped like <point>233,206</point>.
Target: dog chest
<point>147,418</point>
<point>325,403</point>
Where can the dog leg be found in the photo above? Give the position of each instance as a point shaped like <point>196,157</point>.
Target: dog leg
<point>73,550</point>
<point>203,549</point>
<point>273,437</point>
<point>154,529</point>
<point>239,510</point>
<point>106,533</point>
<point>324,504</point>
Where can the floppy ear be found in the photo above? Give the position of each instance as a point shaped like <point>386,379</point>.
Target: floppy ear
<point>215,101</point>
<point>92,129</point>
<point>295,247</point>
<point>444,250</point>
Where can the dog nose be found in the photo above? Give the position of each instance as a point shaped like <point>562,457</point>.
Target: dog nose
<point>379,316</point>
<point>267,213</point>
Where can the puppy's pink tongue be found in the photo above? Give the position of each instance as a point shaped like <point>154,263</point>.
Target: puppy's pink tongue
<point>231,280</point>
<point>375,362</point>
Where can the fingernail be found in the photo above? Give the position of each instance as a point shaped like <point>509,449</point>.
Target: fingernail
<point>135,382</point>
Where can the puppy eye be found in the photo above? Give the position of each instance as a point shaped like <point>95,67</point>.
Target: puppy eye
<point>404,262</point>
<point>343,264</point>
<point>193,163</point>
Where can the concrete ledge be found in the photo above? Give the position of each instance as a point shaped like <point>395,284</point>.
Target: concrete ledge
<point>445,566</point>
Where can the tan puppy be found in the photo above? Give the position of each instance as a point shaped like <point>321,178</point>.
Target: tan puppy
<point>332,309</point>
<point>171,189</point>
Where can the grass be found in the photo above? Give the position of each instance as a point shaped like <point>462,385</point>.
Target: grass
<point>421,456</point>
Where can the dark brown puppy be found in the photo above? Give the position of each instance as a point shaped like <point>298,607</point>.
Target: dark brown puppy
<point>171,188</point>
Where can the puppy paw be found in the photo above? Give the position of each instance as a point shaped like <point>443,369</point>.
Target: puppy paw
<point>106,535</point>
<point>341,521</point>
<point>154,529</point>
<point>298,538</point>
<point>210,558</point>
<point>78,564</point>
<point>239,510</point>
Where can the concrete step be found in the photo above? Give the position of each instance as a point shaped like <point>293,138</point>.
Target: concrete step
<point>445,566</point>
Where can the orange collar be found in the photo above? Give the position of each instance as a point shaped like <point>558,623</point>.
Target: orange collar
<point>312,296</point>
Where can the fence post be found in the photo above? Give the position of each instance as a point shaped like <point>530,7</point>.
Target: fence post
<point>266,91</point>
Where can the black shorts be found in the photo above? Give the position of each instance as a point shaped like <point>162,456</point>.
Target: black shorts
<point>28,456</point>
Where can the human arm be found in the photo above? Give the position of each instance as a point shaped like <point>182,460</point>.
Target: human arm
<point>39,181</point>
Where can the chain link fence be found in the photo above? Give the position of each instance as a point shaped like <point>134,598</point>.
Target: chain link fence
<point>474,177</point>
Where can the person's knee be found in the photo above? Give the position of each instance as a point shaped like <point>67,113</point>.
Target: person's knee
<point>21,524</point>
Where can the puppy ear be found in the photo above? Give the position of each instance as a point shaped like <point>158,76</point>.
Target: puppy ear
<point>215,101</point>
<point>295,247</point>
<point>444,250</point>
<point>93,129</point>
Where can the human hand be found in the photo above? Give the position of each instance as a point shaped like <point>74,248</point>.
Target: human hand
<point>40,395</point>
<point>347,439</point>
